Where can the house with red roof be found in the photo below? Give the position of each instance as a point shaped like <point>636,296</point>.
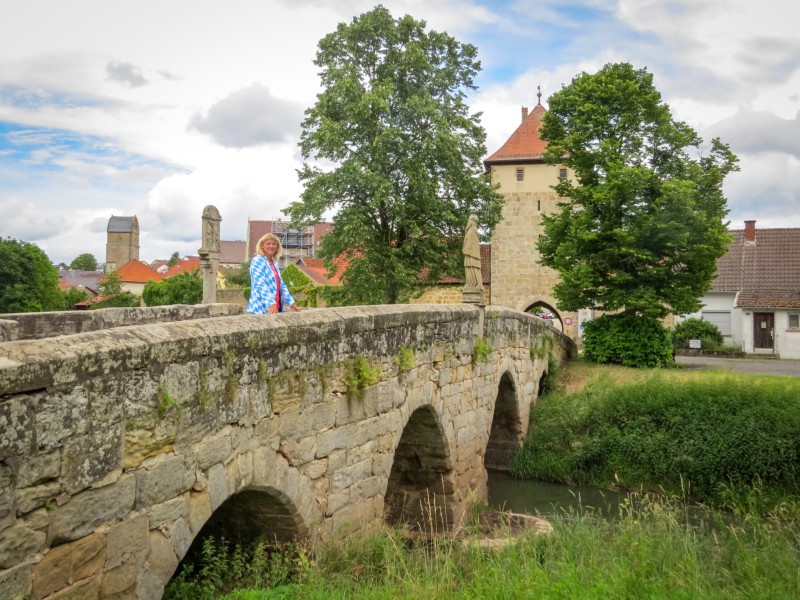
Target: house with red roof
<point>134,274</point>
<point>184,265</point>
<point>755,297</point>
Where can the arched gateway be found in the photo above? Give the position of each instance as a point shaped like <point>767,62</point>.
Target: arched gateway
<point>122,446</point>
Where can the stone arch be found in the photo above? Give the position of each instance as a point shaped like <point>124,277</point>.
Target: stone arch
<point>507,428</point>
<point>421,487</point>
<point>251,514</point>
<point>548,304</point>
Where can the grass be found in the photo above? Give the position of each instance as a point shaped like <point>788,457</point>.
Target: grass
<point>652,552</point>
<point>716,437</point>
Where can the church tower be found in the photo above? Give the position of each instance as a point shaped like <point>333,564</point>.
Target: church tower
<point>518,280</point>
<point>122,242</point>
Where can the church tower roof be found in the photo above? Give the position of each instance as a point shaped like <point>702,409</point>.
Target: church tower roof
<point>524,145</point>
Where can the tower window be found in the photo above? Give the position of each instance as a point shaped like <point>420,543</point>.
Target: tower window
<point>520,174</point>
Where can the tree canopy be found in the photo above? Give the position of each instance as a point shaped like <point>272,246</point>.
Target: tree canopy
<point>84,262</point>
<point>643,221</point>
<point>184,288</point>
<point>401,151</point>
<point>28,280</point>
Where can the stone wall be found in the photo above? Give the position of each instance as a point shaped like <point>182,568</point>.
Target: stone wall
<point>447,294</point>
<point>120,447</point>
<point>26,326</point>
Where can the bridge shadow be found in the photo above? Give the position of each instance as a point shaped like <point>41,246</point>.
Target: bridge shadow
<point>507,431</point>
<point>421,486</point>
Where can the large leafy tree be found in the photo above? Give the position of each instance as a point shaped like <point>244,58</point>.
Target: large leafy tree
<point>28,280</point>
<point>400,154</point>
<point>84,262</point>
<point>643,221</point>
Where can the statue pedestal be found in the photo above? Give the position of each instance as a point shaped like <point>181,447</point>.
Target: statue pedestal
<point>472,296</point>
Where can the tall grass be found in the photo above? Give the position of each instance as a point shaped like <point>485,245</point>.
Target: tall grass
<point>653,551</point>
<point>718,438</point>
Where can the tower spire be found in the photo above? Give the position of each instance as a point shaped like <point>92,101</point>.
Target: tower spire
<point>539,95</point>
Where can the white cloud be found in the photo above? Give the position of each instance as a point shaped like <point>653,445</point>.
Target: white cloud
<point>250,117</point>
<point>126,73</point>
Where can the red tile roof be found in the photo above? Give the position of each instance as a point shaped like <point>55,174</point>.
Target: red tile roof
<point>524,145</point>
<point>232,251</point>
<point>183,266</point>
<point>135,271</point>
<point>766,273</point>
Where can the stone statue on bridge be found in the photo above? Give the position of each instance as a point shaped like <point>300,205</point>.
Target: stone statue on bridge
<point>209,253</point>
<point>473,279</point>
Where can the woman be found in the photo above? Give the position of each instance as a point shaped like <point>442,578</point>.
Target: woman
<point>268,292</point>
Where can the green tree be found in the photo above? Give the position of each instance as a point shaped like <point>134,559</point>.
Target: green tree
<point>643,222</point>
<point>28,280</point>
<point>184,288</point>
<point>111,285</point>
<point>173,260</point>
<point>406,154</point>
<point>74,295</point>
<point>84,262</point>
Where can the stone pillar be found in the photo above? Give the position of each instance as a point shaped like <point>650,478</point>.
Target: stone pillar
<point>473,278</point>
<point>209,253</point>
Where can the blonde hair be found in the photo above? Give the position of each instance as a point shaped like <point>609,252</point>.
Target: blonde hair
<point>264,238</point>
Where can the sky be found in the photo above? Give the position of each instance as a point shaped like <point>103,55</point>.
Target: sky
<point>157,108</point>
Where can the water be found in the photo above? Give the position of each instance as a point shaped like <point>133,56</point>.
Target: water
<point>547,499</point>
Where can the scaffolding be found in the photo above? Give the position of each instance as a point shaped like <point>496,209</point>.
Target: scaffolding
<point>296,243</point>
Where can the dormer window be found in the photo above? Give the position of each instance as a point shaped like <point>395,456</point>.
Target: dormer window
<point>520,174</point>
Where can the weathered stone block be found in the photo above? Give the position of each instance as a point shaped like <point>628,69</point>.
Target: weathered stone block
<point>88,555</point>
<point>119,581</point>
<point>164,479</point>
<point>88,589</point>
<point>88,459</point>
<point>15,584</point>
<point>347,476</point>
<point>162,560</point>
<point>16,427</point>
<point>217,486</point>
<point>60,416</point>
<point>128,536</point>
<point>18,542</point>
<point>36,496</point>
<point>53,572</point>
<point>198,512</point>
<point>164,512</point>
<point>213,450</point>
<point>90,508</point>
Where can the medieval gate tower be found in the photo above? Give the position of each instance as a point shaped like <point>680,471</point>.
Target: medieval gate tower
<point>518,280</point>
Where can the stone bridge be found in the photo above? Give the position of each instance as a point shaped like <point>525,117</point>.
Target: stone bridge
<point>122,443</point>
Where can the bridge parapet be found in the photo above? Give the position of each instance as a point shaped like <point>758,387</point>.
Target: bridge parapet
<point>120,447</point>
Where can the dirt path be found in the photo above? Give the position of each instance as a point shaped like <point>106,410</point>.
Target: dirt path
<point>788,368</point>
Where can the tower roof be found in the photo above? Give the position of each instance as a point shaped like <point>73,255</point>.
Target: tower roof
<point>524,145</point>
<point>123,224</point>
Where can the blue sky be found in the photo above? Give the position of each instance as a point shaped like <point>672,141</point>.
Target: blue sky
<point>159,108</point>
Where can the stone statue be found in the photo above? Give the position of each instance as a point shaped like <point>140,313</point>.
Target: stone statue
<point>209,253</point>
<point>473,280</point>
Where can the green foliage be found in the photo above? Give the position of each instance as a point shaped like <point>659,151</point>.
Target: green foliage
<point>406,359</point>
<point>710,438</point>
<point>627,339</point>
<point>121,300</point>
<point>111,285</point>
<point>542,348</point>
<point>84,262</point>
<point>696,329</point>
<point>643,222</point>
<point>74,295</point>
<point>173,260</point>
<point>360,374</point>
<point>481,351</point>
<point>407,155</point>
<point>220,568</point>
<point>165,402</point>
<point>184,288</point>
<point>301,286</point>
<point>28,280</point>
<point>239,279</point>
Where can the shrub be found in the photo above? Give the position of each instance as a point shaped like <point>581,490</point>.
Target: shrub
<point>627,339</point>
<point>184,288</point>
<point>696,329</point>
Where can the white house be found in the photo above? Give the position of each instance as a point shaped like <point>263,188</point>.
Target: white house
<point>755,298</point>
